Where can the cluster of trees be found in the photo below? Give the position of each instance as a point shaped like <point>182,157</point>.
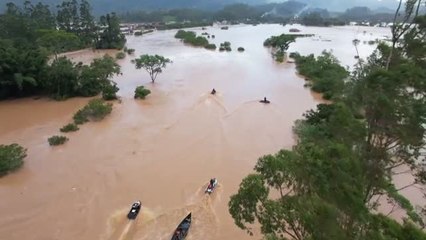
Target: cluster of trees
<point>31,33</point>
<point>281,43</point>
<point>331,183</point>
<point>191,38</point>
<point>11,158</point>
<point>324,72</point>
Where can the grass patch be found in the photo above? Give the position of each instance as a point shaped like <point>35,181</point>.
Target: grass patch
<point>95,110</point>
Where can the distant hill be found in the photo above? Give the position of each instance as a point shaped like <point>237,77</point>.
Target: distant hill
<point>102,6</point>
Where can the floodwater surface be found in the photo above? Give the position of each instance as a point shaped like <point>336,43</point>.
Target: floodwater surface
<point>162,150</point>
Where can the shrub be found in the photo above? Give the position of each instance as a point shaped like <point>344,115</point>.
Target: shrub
<point>279,57</point>
<point>211,46</point>
<point>138,33</point>
<point>130,51</point>
<point>109,92</point>
<point>72,127</point>
<point>241,49</point>
<point>222,49</point>
<point>141,92</point>
<point>120,55</point>
<point>11,158</point>
<point>95,110</point>
<point>57,140</point>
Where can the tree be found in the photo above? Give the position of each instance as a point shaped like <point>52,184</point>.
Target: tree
<point>153,64</point>
<point>58,41</point>
<point>11,158</point>
<point>281,43</point>
<point>110,37</point>
<point>62,80</point>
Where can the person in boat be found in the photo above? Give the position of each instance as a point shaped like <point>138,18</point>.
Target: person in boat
<point>213,92</point>
<point>265,100</point>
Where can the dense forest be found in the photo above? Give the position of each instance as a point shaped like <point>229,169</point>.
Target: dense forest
<point>30,35</point>
<point>274,12</point>
<point>331,184</point>
<point>105,6</point>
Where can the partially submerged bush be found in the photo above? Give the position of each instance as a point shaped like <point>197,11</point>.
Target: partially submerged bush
<point>225,46</point>
<point>72,127</point>
<point>211,46</point>
<point>141,92</point>
<point>57,140</point>
<point>109,91</point>
<point>279,57</point>
<point>95,110</point>
<point>241,49</point>
<point>120,55</point>
<point>11,158</point>
<point>130,51</point>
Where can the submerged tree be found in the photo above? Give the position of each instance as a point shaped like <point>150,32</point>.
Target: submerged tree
<point>153,64</point>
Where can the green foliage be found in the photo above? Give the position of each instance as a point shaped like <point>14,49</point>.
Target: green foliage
<point>110,37</point>
<point>67,79</point>
<point>141,92</point>
<point>57,140</point>
<point>95,110</point>
<point>109,91</point>
<point>241,49</point>
<point>120,55</point>
<point>225,46</point>
<point>28,34</point>
<point>69,128</point>
<point>58,41</point>
<point>153,64</point>
<point>11,158</point>
<point>211,46</point>
<point>130,51</point>
<point>324,72</point>
<point>191,38</point>
<point>281,43</point>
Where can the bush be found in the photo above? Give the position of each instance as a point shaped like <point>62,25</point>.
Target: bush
<point>191,38</point>
<point>222,49</point>
<point>130,51</point>
<point>11,158</point>
<point>141,92</point>
<point>109,92</point>
<point>279,57</point>
<point>95,110</point>
<point>120,55</point>
<point>57,140</point>
<point>138,33</point>
<point>211,46</point>
<point>72,127</point>
<point>241,49</point>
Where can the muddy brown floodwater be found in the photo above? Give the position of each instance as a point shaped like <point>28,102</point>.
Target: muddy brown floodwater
<point>162,150</point>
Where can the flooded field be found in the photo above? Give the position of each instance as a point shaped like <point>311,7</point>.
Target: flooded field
<point>162,150</point>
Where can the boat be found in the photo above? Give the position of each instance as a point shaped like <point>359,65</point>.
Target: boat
<point>182,229</point>
<point>265,101</point>
<point>134,210</point>
<point>212,185</point>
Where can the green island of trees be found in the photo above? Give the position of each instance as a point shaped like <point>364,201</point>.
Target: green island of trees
<point>11,158</point>
<point>332,182</point>
<point>225,46</point>
<point>191,38</point>
<point>324,73</point>
<point>281,43</point>
<point>30,35</point>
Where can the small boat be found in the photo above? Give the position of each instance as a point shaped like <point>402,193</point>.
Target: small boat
<point>265,101</point>
<point>212,185</point>
<point>134,210</point>
<point>182,229</point>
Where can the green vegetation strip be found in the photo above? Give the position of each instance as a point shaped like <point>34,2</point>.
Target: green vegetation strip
<point>191,38</point>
